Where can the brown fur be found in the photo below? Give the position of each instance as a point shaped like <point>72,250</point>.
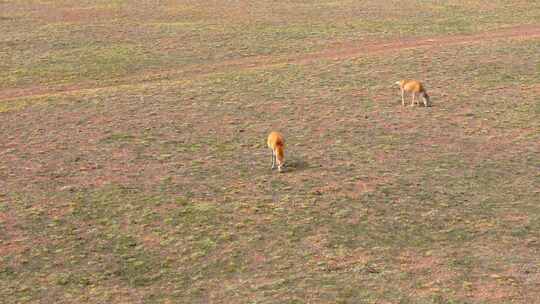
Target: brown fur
<point>416,88</point>
<point>276,142</point>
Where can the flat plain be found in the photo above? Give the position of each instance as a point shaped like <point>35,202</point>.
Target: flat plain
<point>133,164</point>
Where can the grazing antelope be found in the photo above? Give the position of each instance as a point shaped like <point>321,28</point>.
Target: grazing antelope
<point>277,144</point>
<point>416,88</point>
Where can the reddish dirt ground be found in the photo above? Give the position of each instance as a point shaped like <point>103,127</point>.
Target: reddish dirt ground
<point>76,141</point>
<point>337,51</point>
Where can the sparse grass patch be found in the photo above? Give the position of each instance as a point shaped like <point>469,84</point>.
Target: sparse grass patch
<point>158,188</point>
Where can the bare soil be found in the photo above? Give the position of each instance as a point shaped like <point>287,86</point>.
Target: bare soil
<point>337,51</point>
